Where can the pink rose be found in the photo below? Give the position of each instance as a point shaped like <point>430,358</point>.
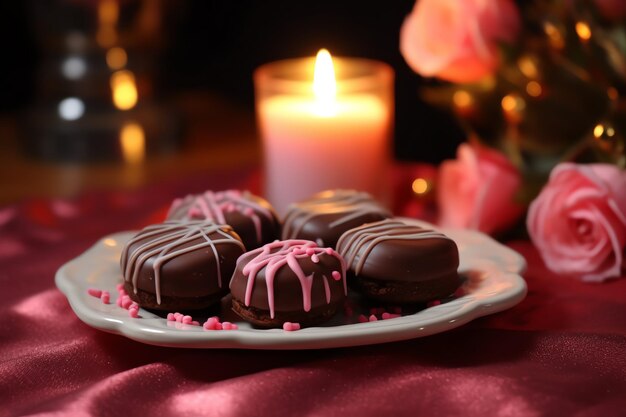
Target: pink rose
<point>477,190</point>
<point>578,222</point>
<point>456,40</point>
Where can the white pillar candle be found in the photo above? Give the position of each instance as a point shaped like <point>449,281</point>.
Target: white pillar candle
<point>324,134</point>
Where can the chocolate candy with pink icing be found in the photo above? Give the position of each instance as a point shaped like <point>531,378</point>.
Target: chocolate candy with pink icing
<point>288,281</point>
<point>180,265</point>
<point>393,262</point>
<point>252,217</point>
<point>325,216</point>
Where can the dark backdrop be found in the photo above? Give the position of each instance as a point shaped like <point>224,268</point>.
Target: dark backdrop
<point>215,45</point>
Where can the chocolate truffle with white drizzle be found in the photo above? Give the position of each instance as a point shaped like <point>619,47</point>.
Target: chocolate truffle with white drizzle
<point>391,261</point>
<point>252,217</point>
<point>180,265</point>
<point>327,215</point>
<point>288,281</point>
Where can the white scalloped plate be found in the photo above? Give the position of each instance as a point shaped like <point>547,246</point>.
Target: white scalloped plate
<point>494,284</point>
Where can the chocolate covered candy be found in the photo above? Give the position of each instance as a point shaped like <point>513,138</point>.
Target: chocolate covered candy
<point>393,262</point>
<point>180,265</point>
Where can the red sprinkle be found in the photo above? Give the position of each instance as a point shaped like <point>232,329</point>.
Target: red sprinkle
<point>362,319</point>
<point>336,275</point>
<point>105,297</point>
<point>126,302</point>
<point>94,292</point>
<point>387,316</point>
<point>373,318</point>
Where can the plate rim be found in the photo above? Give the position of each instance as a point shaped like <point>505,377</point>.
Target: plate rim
<point>402,328</point>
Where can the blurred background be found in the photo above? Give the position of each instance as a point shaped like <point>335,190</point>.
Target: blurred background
<point>101,94</point>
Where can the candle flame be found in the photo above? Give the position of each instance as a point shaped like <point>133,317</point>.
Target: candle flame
<point>324,83</point>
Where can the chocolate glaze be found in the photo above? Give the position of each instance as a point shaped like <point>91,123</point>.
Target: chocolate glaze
<point>288,298</point>
<point>395,262</point>
<point>176,263</point>
<point>327,215</point>
<point>252,217</point>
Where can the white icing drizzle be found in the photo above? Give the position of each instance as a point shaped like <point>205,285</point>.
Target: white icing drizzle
<point>351,203</point>
<point>214,206</point>
<point>356,244</point>
<point>169,240</point>
<point>278,254</point>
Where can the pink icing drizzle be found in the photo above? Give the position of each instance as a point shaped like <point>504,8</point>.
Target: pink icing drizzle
<point>169,240</point>
<point>214,206</point>
<point>276,255</point>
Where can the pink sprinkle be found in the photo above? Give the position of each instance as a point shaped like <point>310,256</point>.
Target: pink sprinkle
<point>133,312</point>
<point>134,305</point>
<point>126,302</point>
<point>105,297</point>
<point>373,318</point>
<point>299,251</point>
<point>227,325</point>
<point>315,258</point>
<point>187,319</point>
<point>434,303</point>
<point>195,323</point>
<point>387,316</point>
<point>170,317</point>
<point>310,251</point>
<point>119,301</point>
<point>94,292</point>
<point>336,275</point>
<point>233,326</point>
<point>119,287</point>
<point>290,327</point>
<point>362,318</point>
<point>212,323</point>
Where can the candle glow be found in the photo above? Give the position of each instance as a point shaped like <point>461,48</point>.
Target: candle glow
<point>325,124</point>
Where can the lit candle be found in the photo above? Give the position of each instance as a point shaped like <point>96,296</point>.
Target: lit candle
<point>320,131</point>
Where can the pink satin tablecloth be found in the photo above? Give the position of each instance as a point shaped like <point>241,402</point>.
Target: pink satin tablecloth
<point>562,351</point>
